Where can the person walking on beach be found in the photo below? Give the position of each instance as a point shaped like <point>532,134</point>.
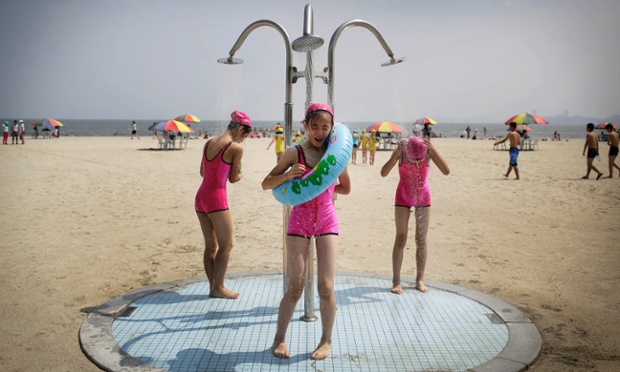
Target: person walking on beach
<point>612,141</point>
<point>468,129</point>
<point>365,140</point>
<point>591,146</point>
<point>221,161</point>
<point>5,133</point>
<point>513,151</point>
<point>315,218</point>
<point>279,140</point>
<point>134,130</point>
<point>14,133</point>
<point>413,157</point>
<point>22,131</point>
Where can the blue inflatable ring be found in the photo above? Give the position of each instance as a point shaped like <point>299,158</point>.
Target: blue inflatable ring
<point>324,174</point>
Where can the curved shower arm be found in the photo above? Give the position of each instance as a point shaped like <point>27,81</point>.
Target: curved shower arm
<point>287,44</point>
<point>332,48</point>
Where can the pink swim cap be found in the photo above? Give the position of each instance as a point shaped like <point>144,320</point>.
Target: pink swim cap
<point>319,107</point>
<point>416,148</point>
<point>241,118</point>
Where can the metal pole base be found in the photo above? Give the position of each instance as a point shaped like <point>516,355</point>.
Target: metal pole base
<point>308,319</point>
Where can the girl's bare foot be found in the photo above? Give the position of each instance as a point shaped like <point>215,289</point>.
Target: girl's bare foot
<point>280,350</point>
<point>223,293</point>
<point>397,289</point>
<point>421,287</point>
<point>322,351</point>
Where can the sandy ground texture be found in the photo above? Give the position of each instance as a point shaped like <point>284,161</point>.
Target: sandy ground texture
<point>87,219</point>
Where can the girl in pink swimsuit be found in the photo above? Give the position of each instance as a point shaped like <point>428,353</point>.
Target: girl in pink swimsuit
<point>413,157</point>
<point>315,218</point>
<point>221,162</point>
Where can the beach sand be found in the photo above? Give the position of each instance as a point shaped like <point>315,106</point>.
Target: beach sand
<point>86,219</point>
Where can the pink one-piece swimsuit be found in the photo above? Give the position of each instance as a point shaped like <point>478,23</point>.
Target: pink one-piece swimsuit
<point>413,190</point>
<point>316,217</point>
<point>211,196</point>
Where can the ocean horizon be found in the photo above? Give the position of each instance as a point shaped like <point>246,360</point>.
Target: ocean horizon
<point>121,127</point>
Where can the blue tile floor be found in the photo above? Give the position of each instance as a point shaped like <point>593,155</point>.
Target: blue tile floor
<point>183,329</point>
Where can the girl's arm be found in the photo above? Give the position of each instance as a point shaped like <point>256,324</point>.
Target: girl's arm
<point>279,173</point>
<point>235,174</point>
<point>387,167</point>
<point>436,157</point>
<point>344,183</point>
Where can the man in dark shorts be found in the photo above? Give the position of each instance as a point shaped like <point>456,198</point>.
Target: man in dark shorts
<point>612,141</point>
<point>591,146</point>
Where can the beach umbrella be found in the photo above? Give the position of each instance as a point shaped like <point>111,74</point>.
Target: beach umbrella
<point>422,121</point>
<point>385,127</point>
<point>602,125</point>
<point>46,123</point>
<point>187,118</point>
<point>526,118</point>
<point>173,125</point>
<point>523,127</point>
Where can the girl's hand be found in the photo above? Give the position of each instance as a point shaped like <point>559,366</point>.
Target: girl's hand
<point>429,145</point>
<point>297,170</point>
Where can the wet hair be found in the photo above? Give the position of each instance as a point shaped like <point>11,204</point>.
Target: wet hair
<point>609,126</point>
<point>513,124</point>
<point>590,126</point>
<point>233,127</point>
<point>314,115</point>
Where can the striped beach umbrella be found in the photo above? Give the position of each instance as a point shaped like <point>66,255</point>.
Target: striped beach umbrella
<point>46,123</point>
<point>526,118</point>
<point>385,127</point>
<point>422,121</point>
<point>173,125</point>
<point>603,125</point>
<point>187,118</point>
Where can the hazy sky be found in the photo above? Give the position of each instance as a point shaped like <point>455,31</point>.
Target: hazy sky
<point>478,60</point>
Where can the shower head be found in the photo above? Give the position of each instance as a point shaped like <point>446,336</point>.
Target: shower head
<point>230,61</point>
<point>393,61</point>
<point>307,43</point>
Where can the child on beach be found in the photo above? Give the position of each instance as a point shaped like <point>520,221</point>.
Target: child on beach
<point>315,218</point>
<point>365,143</point>
<point>372,146</point>
<point>591,146</point>
<point>413,157</point>
<point>356,140</point>
<point>612,141</point>
<point>221,161</point>
<point>513,151</point>
<point>279,140</point>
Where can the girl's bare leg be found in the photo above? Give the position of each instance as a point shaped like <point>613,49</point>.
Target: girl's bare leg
<point>326,252</point>
<point>422,217</point>
<point>401,219</point>
<point>297,255</point>
<point>210,245</point>
<point>222,226</point>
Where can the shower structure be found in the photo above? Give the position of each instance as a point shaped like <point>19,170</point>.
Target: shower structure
<point>306,43</point>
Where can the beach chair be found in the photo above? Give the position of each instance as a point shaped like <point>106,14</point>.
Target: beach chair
<point>534,144</point>
<point>183,140</point>
<point>161,143</point>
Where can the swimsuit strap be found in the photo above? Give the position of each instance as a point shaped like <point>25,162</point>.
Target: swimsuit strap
<point>300,156</point>
<point>219,152</point>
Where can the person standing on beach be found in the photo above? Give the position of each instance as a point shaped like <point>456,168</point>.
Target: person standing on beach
<point>14,133</point>
<point>591,146</point>
<point>612,141</point>
<point>221,162</point>
<point>468,129</point>
<point>365,139</point>
<point>356,141</point>
<point>372,146</point>
<point>314,218</point>
<point>22,131</point>
<point>513,151</point>
<point>413,157</point>
<point>134,130</point>
<point>5,133</point>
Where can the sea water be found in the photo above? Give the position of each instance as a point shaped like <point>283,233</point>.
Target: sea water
<point>121,127</point>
